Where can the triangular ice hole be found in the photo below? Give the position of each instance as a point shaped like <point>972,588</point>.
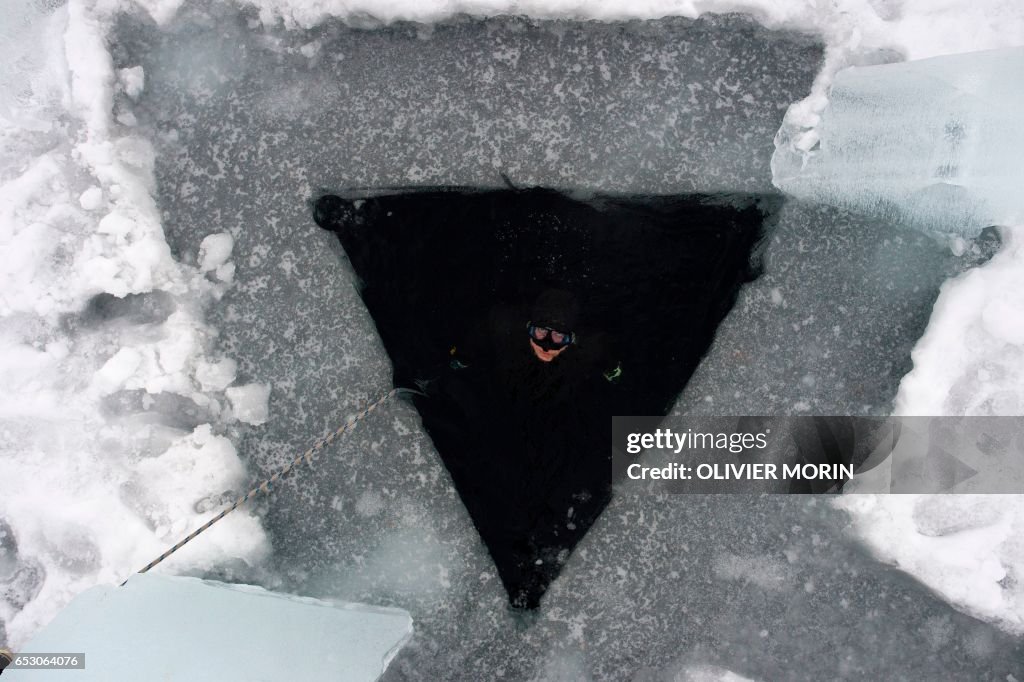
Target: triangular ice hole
<point>460,284</point>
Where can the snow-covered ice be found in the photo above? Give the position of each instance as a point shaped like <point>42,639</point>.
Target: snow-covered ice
<point>108,410</point>
<point>970,361</point>
<point>969,548</point>
<point>124,333</point>
<point>936,145</point>
<point>132,81</point>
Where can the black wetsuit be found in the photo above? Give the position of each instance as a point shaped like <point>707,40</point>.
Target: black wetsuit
<point>526,444</point>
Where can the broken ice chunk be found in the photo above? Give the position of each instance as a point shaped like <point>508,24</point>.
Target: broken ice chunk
<point>935,144</point>
<point>91,199</point>
<point>250,402</point>
<point>132,81</point>
<point>169,628</point>
<point>214,252</point>
<point>117,370</point>
<point>216,376</point>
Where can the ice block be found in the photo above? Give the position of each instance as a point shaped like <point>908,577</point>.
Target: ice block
<point>164,628</point>
<point>936,144</point>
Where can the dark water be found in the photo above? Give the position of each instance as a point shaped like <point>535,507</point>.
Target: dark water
<point>459,283</point>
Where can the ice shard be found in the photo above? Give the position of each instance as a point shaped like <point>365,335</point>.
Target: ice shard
<point>936,143</point>
<point>158,627</point>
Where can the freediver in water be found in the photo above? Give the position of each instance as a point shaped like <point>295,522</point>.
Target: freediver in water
<point>529,319</point>
<point>517,384</point>
<point>528,384</point>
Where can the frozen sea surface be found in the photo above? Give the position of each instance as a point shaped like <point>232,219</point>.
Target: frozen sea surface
<point>248,122</point>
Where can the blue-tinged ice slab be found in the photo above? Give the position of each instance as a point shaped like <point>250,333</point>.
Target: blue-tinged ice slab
<point>936,143</point>
<point>170,628</point>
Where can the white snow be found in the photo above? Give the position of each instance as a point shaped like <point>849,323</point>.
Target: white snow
<point>96,480</point>
<point>116,371</point>
<point>215,250</point>
<point>216,376</point>
<point>970,360</point>
<point>166,488</point>
<point>132,81</point>
<point>968,548</point>
<point>250,402</point>
<point>708,673</point>
<point>91,199</point>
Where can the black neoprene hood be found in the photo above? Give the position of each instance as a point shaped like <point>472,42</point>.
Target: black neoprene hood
<point>556,309</point>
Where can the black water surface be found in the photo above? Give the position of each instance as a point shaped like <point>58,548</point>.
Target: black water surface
<point>454,279</point>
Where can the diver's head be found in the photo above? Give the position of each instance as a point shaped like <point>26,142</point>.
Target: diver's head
<point>551,324</point>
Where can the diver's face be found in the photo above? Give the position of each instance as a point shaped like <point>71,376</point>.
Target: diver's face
<point>546,355</point>
<point>547,343</point>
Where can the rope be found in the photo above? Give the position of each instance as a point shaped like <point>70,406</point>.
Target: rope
<point>268,485</point>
